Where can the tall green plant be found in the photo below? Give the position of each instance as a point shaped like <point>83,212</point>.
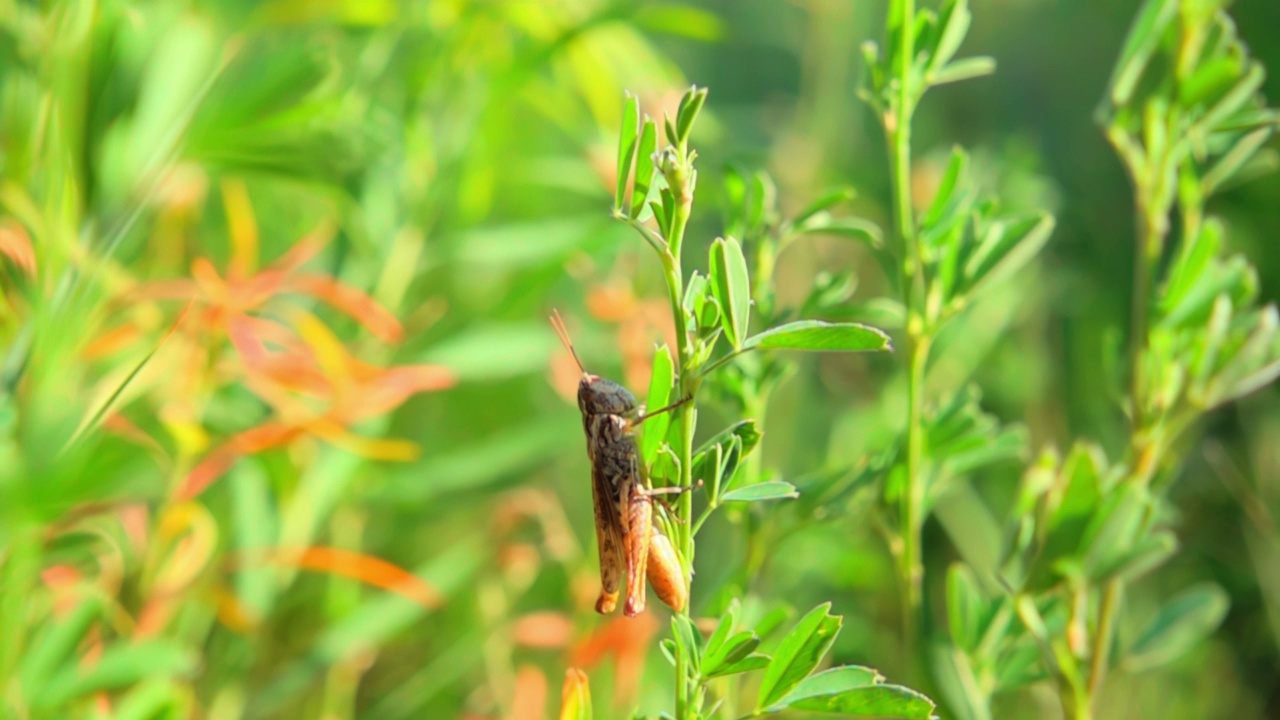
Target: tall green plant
<point>942,261</point>
<point>712,315</point>
<point>1184,114</point>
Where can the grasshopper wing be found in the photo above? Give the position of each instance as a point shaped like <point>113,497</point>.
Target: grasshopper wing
<point>609,537</point>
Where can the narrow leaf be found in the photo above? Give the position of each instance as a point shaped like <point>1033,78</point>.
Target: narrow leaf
<point>771,490</point>
<point>1182,622</point>
<point>654,428</point>
<point>690,106</point>
<point>731,653</point>
<point>729,282</point>
<point>817,335</point>
<point>627,139</point>
<point>965,69</point>
<point>644,167</point>
<point>830,199</point>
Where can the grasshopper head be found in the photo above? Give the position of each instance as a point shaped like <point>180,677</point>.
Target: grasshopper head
<point>597,396</point>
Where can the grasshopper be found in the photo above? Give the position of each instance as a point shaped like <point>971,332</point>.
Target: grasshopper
<point>629,543</point>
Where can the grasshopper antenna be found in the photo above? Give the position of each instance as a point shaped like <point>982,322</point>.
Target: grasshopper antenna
<point>563,333</point>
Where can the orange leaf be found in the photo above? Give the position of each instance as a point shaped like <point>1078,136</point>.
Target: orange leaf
<point>287,369</point>
<point>218,462</point>
<point>388,388</point>
<point>124,427</point>
<point>15,244</point>
<point>111,341</point>
<point>351,301</point>
<point>209,281</point>
<point>357,566</point>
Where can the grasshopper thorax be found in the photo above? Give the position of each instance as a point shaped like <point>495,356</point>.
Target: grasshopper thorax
<point>597,396</point>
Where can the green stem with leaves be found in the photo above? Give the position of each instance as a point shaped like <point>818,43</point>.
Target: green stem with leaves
<point>898,133</point>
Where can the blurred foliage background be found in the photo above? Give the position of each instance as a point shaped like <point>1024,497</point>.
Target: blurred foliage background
<point>283,429</point>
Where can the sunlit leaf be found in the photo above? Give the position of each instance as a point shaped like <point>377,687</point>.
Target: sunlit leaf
<point>627,140</point>
<point>729,283</point>
<point>644,167</point>
<point>817,335</point>
<point>655,427</point>
<point>798,654</point>
<point>769,490</point>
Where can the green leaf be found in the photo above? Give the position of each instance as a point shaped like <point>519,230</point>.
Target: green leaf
<point>723,629</point>
<point>966,69</point>
<point>1112,530</point>
<point>746,430</point>
<point>1149,553</point>
<point>644,167</point>
<point>729,283</point>
<point>847,227</point>
<point>729,655</point>
<point>687,640</point>
<point>627,140</point>
<point>830,199</point>
<point>1230,164</point>
<point>821,336</point>
<point>1182,623</point>
<point>1141,42</point>
<point>120,666</point>
<point>751,662</point>
<point>771,490</point>
<point>654,429</point>
<point>879,701</point>
<point>943,204</point>
<point>57,643</point>
<point>1007,251</point>
<point>669,650</point>
<point>1234,100</point>
<point>954,24</point>
<point>690,106</point>
<point>964,606</point>
<point>828,682</point>
<point>798,654</point>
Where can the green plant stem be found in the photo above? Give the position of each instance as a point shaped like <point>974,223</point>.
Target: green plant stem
<point>912,569</point>
<point>686,419</point>
<point>898,131</point>
<point>1144,450</point>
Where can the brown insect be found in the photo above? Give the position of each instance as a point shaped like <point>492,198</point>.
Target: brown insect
<point>629,543</point>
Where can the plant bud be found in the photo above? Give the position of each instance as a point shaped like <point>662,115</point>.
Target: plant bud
<point>665,574</point>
